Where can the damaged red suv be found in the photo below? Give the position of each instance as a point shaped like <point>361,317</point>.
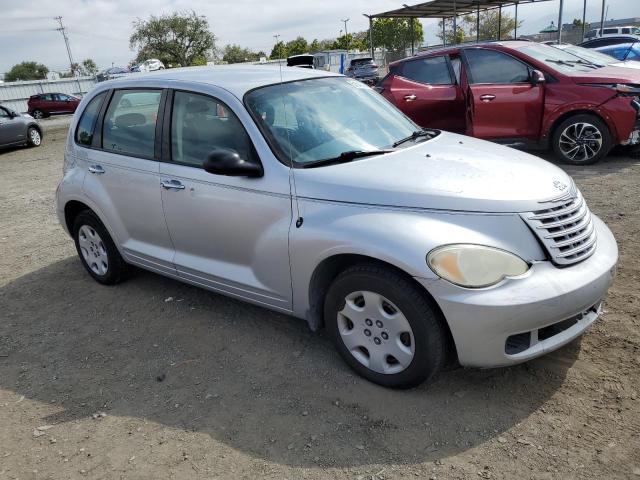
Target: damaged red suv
<point>522,94</point>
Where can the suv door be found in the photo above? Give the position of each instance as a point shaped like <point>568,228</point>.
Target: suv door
<point>12,129</point>
<point>425,89</point>
<point>230,233</point>
<point>123,173</point>
<point>503,102</point>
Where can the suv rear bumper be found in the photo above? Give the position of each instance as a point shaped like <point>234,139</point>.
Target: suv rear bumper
<point>524,318</point>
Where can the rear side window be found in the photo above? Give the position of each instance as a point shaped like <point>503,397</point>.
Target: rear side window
<point>489,66</point>
<point>433,70</point>
<point>199,124</point>
<point>130,122</point>
<point>626,30</point>
<point>84,132</point>
<point>608,31</point>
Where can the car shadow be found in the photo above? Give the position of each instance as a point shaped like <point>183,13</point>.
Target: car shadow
<point>261,382</point>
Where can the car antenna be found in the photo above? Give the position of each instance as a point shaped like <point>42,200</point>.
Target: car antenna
<point>292,170</point>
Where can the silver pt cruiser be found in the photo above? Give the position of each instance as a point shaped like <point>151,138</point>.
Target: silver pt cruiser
<point>308,193</point>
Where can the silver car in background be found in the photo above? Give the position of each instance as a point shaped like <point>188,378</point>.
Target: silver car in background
<point>414,248</point>
<point>18,129</point>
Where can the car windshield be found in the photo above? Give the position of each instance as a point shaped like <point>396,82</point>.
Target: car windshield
<point>559,60</point>
<point>589,55</point>
<point>317,119</point>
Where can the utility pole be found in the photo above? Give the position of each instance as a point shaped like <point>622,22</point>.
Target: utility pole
<point>346,32</point>
<point>277,37</point>
<point>63,30</point>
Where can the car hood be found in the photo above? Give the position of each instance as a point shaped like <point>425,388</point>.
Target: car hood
<point>613,73</point>
<point>627,64</point>
<point>449,172</point>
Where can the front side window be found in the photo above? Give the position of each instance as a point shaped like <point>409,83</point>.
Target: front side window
<point>489,66</point>
<point>84,132</point>
<point>4,113</point>
<point>199,124</point>
<point>321,118</point>
<point>433,71</point>
<point>130,122</point>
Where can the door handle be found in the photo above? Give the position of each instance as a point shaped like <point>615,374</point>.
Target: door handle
<point>409,98</point>
<point>172,185</point>
<point>97,169</point>
<point>487,98</point>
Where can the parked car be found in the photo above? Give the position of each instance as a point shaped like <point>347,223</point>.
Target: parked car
<point>612,32</point>
<point>45,104</point>
<point>17,129</point>
<point>110,73</point>
<point>522,94</point>
<point>626,52</point>
<point>150,65</point>
<point>414,248</point>
<point>606,41</point>
<point>363,69</point>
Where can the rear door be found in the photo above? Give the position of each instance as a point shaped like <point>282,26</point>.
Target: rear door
<point>123,174</point>
<point>426,90</point>
<point>503,102</point>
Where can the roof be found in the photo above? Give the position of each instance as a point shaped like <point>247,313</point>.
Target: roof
<point>461,46</point>
<point>238,79</point>
<point>448,8</point>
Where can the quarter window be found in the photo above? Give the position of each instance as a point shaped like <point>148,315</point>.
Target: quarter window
<point>84,132</point>
<point>489,66</point>
<point>199,124</point>
<point>130,122</point>
<point>433,70</point>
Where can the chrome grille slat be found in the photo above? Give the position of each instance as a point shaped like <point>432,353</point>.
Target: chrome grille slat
<point>565,228</point>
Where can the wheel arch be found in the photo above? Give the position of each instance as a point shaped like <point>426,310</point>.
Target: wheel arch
<point>579,111</point>
<point>71,210</point>
<point>329,268</point>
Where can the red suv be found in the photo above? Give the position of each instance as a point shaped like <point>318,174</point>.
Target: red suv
<point>47,104</point>
<point>521,94</point>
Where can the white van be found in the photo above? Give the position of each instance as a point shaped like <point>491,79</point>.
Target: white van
<point>611,32</point>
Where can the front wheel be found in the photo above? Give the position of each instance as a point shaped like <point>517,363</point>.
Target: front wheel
<point>33,137</point>
<point>582,140</point>
<point>384,327</point>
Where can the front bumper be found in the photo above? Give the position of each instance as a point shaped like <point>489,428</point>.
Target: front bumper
<point>553,305</point>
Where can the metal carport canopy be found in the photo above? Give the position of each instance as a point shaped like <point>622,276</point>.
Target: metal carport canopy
<point>449,8</point>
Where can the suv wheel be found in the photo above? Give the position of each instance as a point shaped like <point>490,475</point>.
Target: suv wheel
<point>97,251</point>
<point>582,140</point>
<point>33,137</point>
<point>37,114</point>
<point>384,327</point>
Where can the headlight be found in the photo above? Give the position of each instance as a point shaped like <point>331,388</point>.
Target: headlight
<point>626,89</point>
<point>474,266</point>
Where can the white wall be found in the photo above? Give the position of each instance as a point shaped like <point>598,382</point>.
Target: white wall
<point>15,94</point>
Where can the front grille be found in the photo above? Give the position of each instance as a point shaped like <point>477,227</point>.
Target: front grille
<point>565,228</point>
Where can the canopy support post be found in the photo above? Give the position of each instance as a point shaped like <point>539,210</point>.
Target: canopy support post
<point>515,33</point>
<point>560,22</point>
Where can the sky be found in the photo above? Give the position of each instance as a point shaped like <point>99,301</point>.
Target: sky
<point>100,29</point>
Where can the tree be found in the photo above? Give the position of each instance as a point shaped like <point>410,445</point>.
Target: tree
<point>489,25</point>
<point>238,54</point>
<point>180,38</point>
<point>314,46</point>
<point>26,71</point>
<point>279,51</point>
<point>395,33</point>
<point>88,67</point>
<point>577,23</point>
<point>350,42</point>
<point>450,37</point>
<point>297,46</point>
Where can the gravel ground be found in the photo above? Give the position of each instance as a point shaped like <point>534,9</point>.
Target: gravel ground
<point>155,379</point>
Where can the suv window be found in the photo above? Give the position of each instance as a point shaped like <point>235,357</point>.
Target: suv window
<point>84,132</point>
<point>199,124</point>
<point>433,70</point>
<point>130,122</point>
<point>626,30</point>
<point>607,31</point>
<point>48,97</point>
<point>489,66</point>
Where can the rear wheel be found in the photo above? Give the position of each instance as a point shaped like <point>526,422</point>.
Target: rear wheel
<point>582,140</point>
<point>384,327</point>
<point>33,137</point>
<point>97,251</point>
<point>38,114</point>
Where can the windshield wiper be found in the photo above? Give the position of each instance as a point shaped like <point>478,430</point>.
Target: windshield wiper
<point>561,62</point>
<point>344,157</point>
<point>413,136</point>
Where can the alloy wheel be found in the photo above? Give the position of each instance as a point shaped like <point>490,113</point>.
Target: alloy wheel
<point>376,332</point>
<point>34,136</point>
<point>580,142</point>
<point>38,114</point>
<point>93,250</point>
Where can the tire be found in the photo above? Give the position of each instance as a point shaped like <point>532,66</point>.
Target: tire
<point>38,114</point>
<point>403,325</point>
<point>34,138</point>
<point>97,251</point>
<point>582,139</point>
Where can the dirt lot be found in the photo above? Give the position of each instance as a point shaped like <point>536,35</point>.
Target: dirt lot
<point>99,382</point>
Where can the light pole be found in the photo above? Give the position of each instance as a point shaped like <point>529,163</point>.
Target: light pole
<point>346,32</point>
<point>277,37</point>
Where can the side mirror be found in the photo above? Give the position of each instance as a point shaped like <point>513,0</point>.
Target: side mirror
<point>224,161</point>
<point>537,77</point>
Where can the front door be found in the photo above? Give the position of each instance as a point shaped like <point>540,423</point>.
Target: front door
<point>427,92</point>
<point>503,102</point>
<point>123,175</point>
<point>12,129</point>
<point>230,233</point>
